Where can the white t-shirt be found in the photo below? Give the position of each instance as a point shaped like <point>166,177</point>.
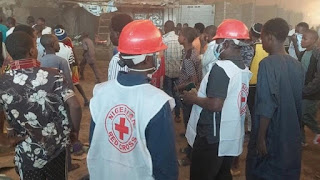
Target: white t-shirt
<point>292,51</point>
<point>66,53</point>
<point>47,30</point>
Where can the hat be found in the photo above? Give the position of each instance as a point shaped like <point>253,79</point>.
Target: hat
<point>257,28</point>
<point>61,34</point>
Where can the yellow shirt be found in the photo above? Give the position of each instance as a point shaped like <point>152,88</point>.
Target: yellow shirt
<point>260,54</point>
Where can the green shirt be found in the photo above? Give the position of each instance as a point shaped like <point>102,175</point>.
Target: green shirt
<point>305,61</point>
<point>3,30</point>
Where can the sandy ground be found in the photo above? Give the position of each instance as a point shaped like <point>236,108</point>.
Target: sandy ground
<point>311,153</point>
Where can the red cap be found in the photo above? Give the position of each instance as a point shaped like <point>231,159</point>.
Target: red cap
<point>140,37</point>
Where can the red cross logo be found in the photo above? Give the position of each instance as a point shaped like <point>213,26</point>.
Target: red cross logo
<point>122,128</point>
<point>242,99</point>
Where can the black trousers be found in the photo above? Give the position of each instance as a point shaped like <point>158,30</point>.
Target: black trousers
<point>186,109</point>
<point>251,99</point>
<point>205,163</point>
<point>53,170</point>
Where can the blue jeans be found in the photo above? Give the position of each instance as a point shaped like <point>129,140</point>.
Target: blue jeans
<point>168,87</point>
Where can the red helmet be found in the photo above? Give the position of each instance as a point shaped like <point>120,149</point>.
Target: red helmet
<point>232,29</point>
<point>140,37</point>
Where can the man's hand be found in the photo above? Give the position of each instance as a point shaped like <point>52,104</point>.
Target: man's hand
<point>294,39</point>
<point>188,97</point>
<point>262,147</point>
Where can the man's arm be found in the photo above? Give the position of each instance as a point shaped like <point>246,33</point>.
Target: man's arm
<point>217,89</point>
<point>203,42</point>
<point>161,145</point>
<point>67,73</point>
<point>182,87</point>
<point>261,144</point>
<point>76,115</point>
<point>314,86</point>
<point>266,105</point>
<point>213,104</point>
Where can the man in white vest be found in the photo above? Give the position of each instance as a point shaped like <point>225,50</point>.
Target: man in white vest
<point>133,136</point>
<point>216,126</point>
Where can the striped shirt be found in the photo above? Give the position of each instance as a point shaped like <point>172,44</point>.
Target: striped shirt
<point>114,67</point>
<point>191,66</point>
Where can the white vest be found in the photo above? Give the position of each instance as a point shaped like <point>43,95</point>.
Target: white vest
<point>118,149</point>
<point>233,110</point>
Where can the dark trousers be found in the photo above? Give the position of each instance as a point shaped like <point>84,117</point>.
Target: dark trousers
<point>53,170</point>
<point>251,99</point>
<point>186,109</point>
<point>168,87</point>
<point>205,163</point>
<point>309,111</point>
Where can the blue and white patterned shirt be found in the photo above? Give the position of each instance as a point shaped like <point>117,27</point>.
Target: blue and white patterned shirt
<point>115,68</point>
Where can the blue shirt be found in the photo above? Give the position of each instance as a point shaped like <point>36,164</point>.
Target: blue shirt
<point>3,30</point>
<point>159,134</point>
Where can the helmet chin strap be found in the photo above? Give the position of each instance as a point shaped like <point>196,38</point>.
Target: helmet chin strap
<point>142,70</point>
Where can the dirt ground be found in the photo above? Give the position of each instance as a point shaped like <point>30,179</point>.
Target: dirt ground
<point>311,153</point>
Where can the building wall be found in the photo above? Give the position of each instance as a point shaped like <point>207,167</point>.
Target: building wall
<point>78,20</point>
<point>75,19</point>
<point>251,11</point>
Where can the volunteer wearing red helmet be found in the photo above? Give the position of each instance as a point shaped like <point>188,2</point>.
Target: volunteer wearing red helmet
<point>133,137</point>
<point>216,125</point>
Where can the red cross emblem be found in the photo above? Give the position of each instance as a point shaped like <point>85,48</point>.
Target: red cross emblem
<point>242,99</point>
<point>122,128</point>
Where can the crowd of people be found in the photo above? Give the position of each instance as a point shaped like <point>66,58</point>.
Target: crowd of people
<point>222,78</point>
